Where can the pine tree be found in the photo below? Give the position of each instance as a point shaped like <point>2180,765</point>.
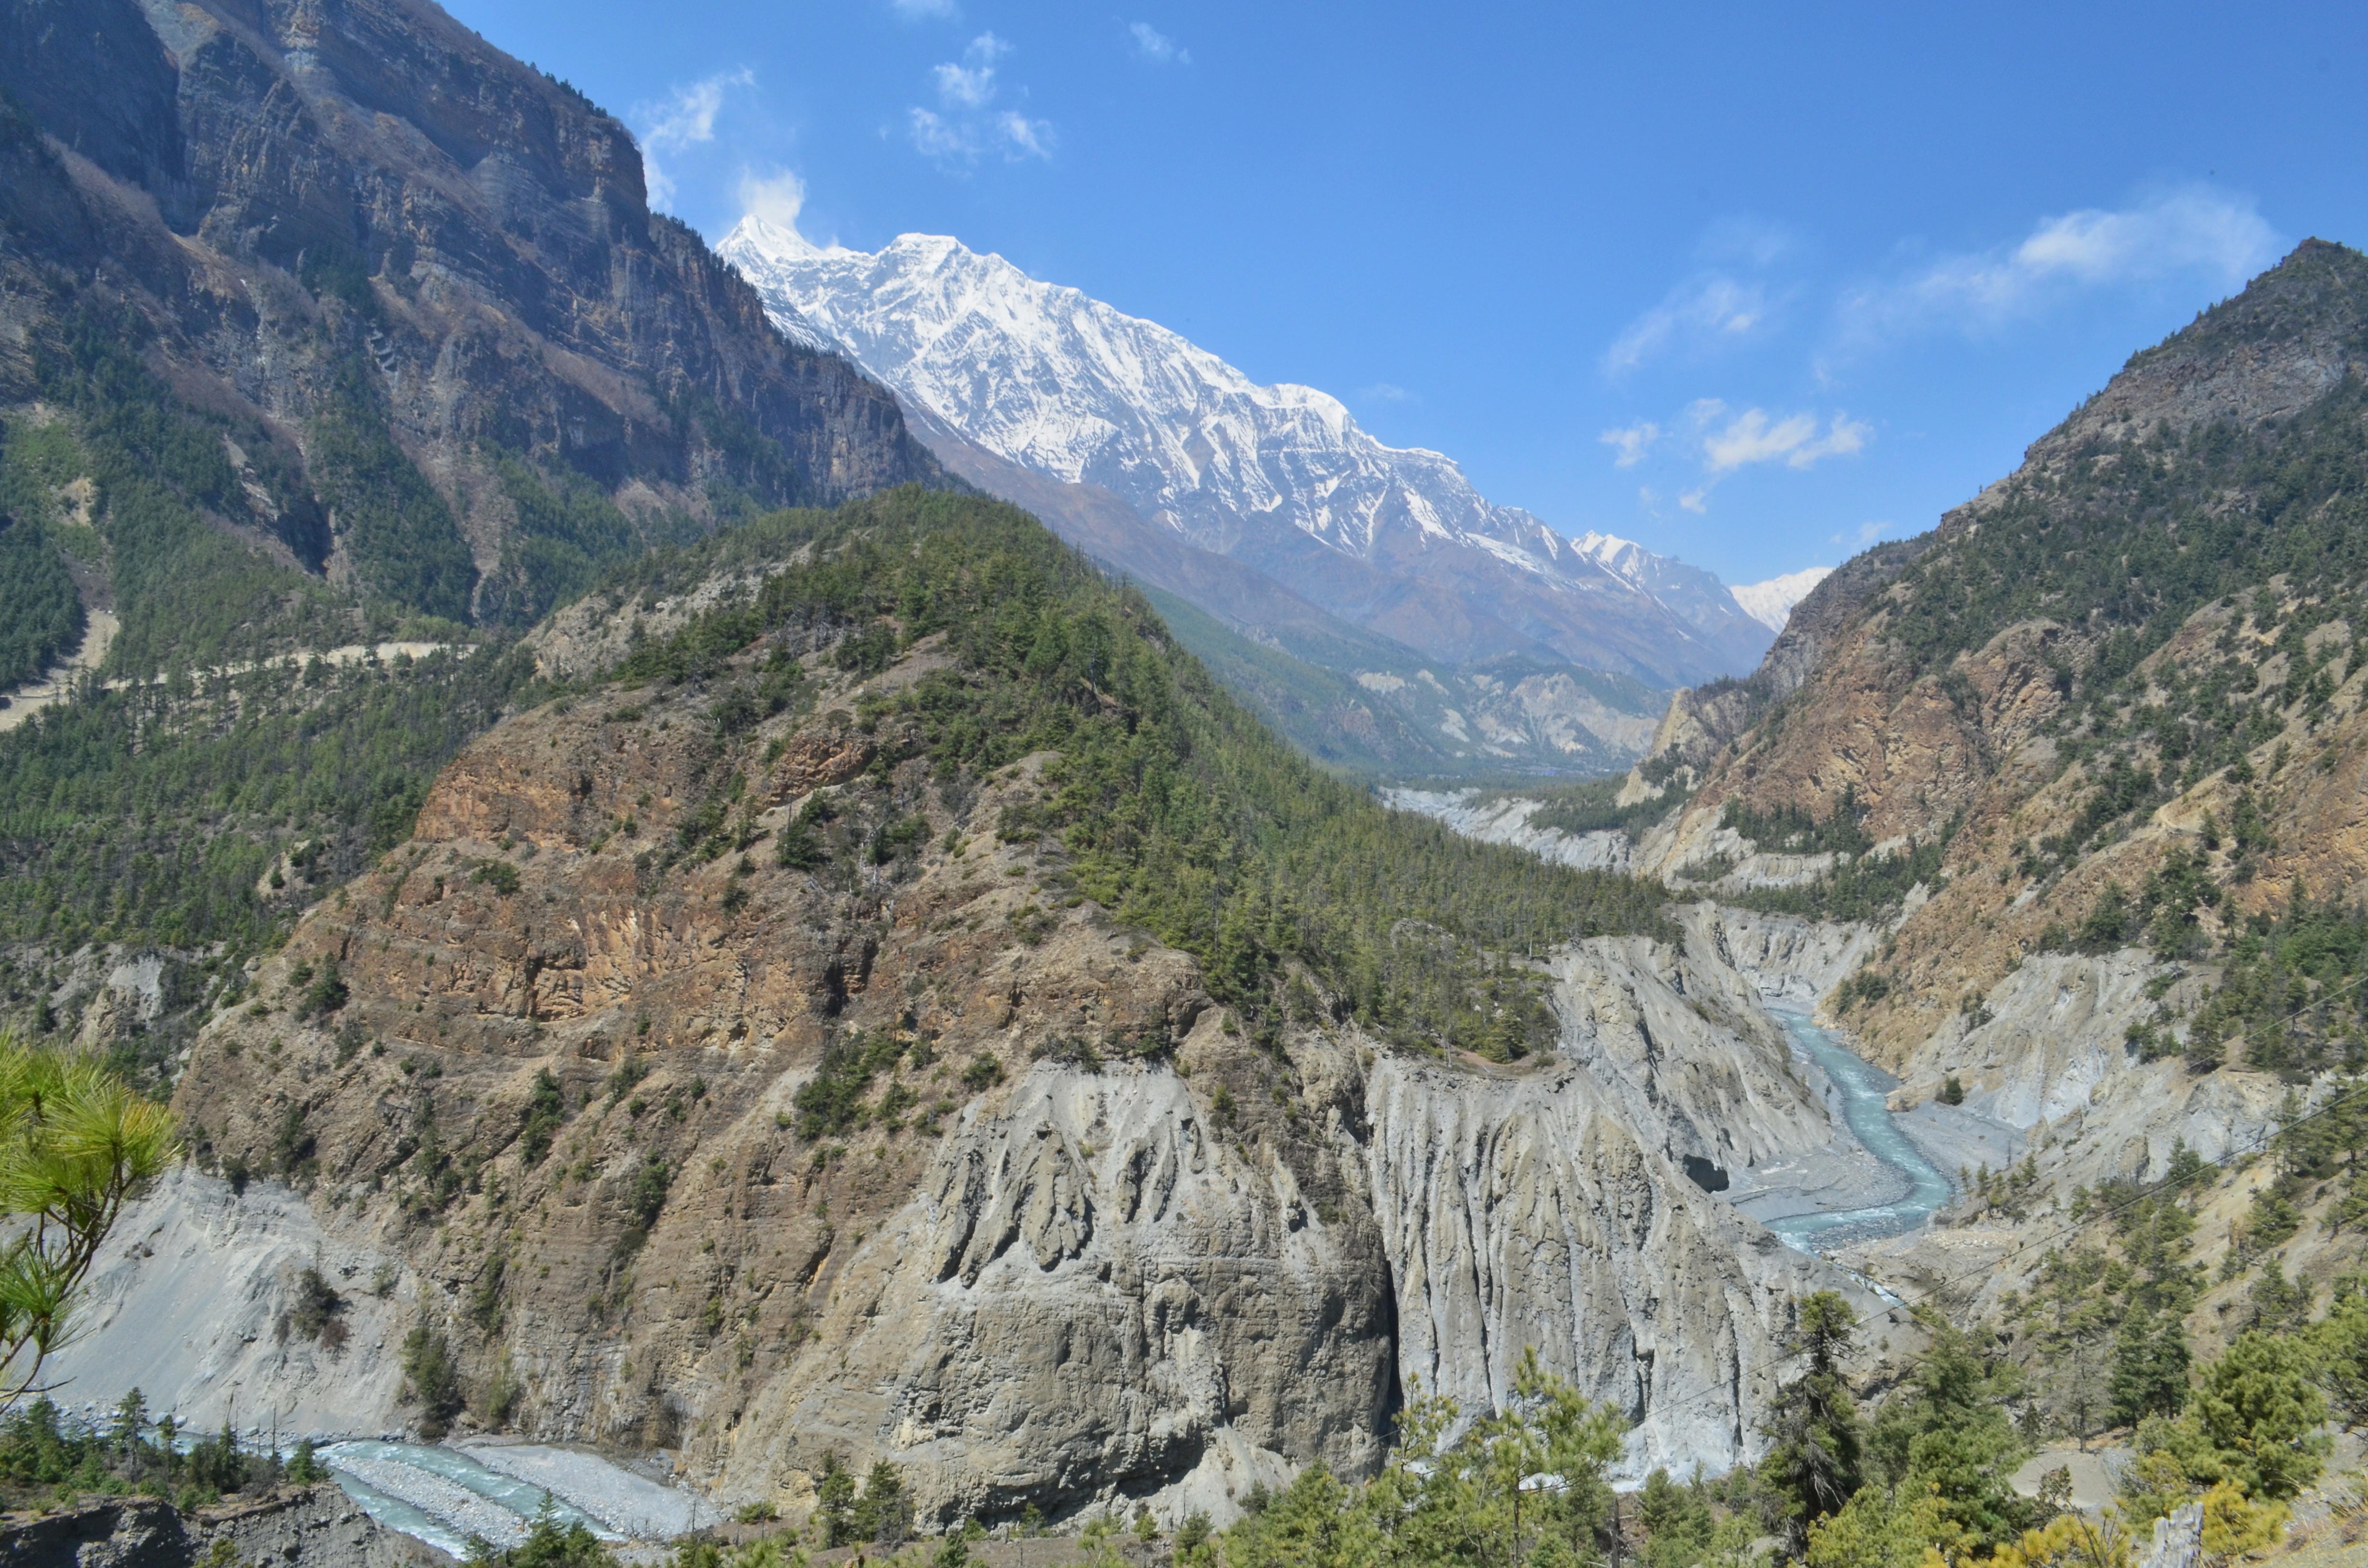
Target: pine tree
<point>1816,1462</point>
<point>1677,1521</point>
<point>2149,1369</point>
<point>2260,1406</point>
<point>835,1500</point>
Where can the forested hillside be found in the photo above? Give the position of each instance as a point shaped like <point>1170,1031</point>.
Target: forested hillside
<point>845,855</point>
<point>2151,615</point>
<point>1180,812</point>
<point>2085,766</point>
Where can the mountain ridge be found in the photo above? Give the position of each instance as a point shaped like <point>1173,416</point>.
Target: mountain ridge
<point>1277,477</point>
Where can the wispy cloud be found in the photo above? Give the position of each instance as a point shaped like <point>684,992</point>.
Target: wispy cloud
<point>1753,437</point>
<point>1723,441</point>
<point>969,83</point>
<point>1023,136</point>
<point>1386,392</point>
<point>2193,230</point>
<point>1632,442</point>
<point>925,10</point>
<point>935,138</point>
<point>1151,44</point>
<point>681,121</point>
<point>1703,311</point>
<point>778,198</point>
<point>965,124</point>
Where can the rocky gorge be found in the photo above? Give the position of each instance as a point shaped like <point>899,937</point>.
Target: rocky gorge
<point>2025,793</point>
<point>908,1153</point>
<point>786,966</point>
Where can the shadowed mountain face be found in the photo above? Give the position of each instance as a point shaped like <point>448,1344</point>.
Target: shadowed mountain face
<point>395,305</point>
<point>1276,479</point>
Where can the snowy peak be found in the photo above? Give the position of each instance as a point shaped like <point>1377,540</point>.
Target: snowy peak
<point>1059,382</point>
<point>779,239</point>
<point>1770,603</point>
<point>1277,477</point>
<point>1623,558</point>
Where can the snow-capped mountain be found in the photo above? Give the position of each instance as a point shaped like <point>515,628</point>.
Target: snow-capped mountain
<point>1277,478</point>
<point>1695,593</point>
<point>1770,603</point>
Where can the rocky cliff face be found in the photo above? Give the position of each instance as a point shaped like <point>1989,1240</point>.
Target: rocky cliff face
<point>333,219</point>
<point>310,1526</point>
<point>2002,745</point>
<point>1703,720</point>
<point>908,1158</point>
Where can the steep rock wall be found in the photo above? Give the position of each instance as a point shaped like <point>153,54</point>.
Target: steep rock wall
<point>1527,1214</point>
<point>1095,1297</point>
<point>310,1526</point>
<point>308,206</point>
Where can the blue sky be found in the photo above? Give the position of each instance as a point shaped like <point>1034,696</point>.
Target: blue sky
<point>1750,284</point>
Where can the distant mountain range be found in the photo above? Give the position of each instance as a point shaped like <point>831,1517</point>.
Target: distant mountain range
<point>1770,603</point>
<point>1260,503</point>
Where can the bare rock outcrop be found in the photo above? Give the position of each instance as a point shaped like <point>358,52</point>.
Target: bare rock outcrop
<point>191,1304</point>
<point>308,1526</point>
<point>1505,820</point>
<point>1097,1295</point>
<point>1529,1214</point>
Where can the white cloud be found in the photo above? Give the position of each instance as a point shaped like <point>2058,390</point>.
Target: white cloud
<point>925,10</point>
<point>2193,231</point>
<point>933,136</point>
<point>1728,441</point>
<point>969,81</point>
<point>1699,313</point>
<point>963,125</point>
<point>968,87</point>
<point>1024,137</point>
<point>1631,441</point>
<point>683,121</point>
<point>1753,437</point>
<point>1154,45</point>
<point>1385,391</point>
<point>778,200</point>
